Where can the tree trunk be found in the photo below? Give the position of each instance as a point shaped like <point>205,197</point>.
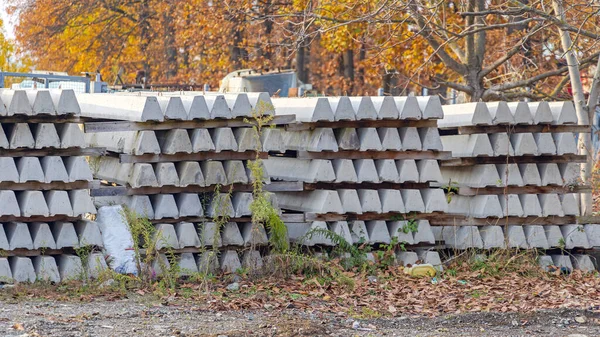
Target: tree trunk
<point>300,64</point>
<point>169,44</point>
<point>348,64</point>
<point>584,143</point>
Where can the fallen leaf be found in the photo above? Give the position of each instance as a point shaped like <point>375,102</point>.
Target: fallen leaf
<point>18,326</point>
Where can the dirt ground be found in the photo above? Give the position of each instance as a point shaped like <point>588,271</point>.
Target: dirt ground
<point>143,316</point>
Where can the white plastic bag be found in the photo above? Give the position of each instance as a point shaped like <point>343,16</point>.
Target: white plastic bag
<point>118,242</point>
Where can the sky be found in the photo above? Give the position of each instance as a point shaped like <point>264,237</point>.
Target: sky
<point>8,25</point>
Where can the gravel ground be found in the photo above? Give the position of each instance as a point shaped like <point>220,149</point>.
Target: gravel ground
<point>143,316</point>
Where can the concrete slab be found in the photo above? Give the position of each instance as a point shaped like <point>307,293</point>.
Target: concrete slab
<point>410,139</point>
<point>536,237</point>
<point>342,108</point>
<point>81,202</point>
<point>160,264</point>
<point>306,109</point>
<point>129,142</point>
<point>554,236</point>
<point>252,261</point>
<point>265,173</point>
<point>16,102</point>
<point>261,103</point>
<point>78,169</point>
<point>524,144</point>
<point>141,205</point>
<point>4,245</point>
<point>569,173</point>
<point>369,139</point>
<point>241,203</point>
<point>350,201</point>
<point>434,200</point>
<point>320,139</point>
<point>363,108</point>
<point>592,231</point>
<point>32,203</point>
<point>431,257</point>
<point>541,113</point>
<point>272,140</point>
<point>314,236</point>
<point>195,107</point>
<point>70,136</point>
<point>235,171</point>
<point>341,228</point>
<point>88,233</point>
<point>208,263</point>
<point>9,204</point>
<point>210,234</point>
<point>229,261</point>
<point>511,205</point>
<point>22,269</point>
<point>387,170</point>
<point>429,171</point>
<point>520,112</point>
<point>423,233</point>
<point>455,115</point>
<point>164,206</point>
<point>18,236</point>
<point>187,264</point>
<point>563,112</point>
<point>96,264</point>
<point>358,231</point>
<point>201,140</point>
<point>219,206</point>
<point>408,107</point>
<point>296,231</point>
<point>407,170</point>
<point>545,143</point>
<point>45,136</point>
<point>132,108</point>
<point>65,235</point>
<point>187,235</point>
<point>239,105</point>
<point>344,171</point>
<point>583,262</point>
<point>247,139</point>
<point>390,139</point>
<point>479,206</point>
<point>468,145</point>
<point>413,201</point>
<point>306,170</point>
<point>430,139</point>
<point>231,235</point>
<point>501,144</point>
<point>399,230</point>
<point>531,205</point>
<point>545,262</point>
<point>476,176</point>
<point>366,170</point>
<point>3,139</point>
<point>54,169</point>
<point>431,107</point>
<point>46,269</point>
<point>218,107</point>
<point>391,201</point>
<point>172,108</point>
<point>530,174</point>
<point>574,237</point>
<point>500,113</point>
<point>550,174</point>
<point>213,172</point>
<point>58,203</point>
<point>369,201</point>
<point>165,237</point>
<point>492,237</point>
<point>407,258</point>
<point>166,174</point>
<point>562,261</point>
<point>65,101</point>
<point>188,204</point>
<point>41,102</point>
<point>510,175</point>
<point>223,139</point>
<point>551,205</point>
<point>70,267</point>
<point>565,143</point>
<point>135,175</point>
<point>254,234</point>
<point>19,136</point>
<point>8,170</point>
<point>174,141</point>
<point>385,107</point>
<point>463,237</point>
<point>378,232</point>
<point>347,139</point>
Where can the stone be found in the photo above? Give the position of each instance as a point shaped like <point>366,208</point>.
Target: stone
<point>344,171</point>
<point>429,171</point>
<point>550,174</point>
<point>195,107</point>
<point>551,205</point>
<point>390,139</point>
<point>408,171</point>
<point>172,108</point>
<point>530,174</point>
<point>217,105</point>
<point>510,175</point>
<point>434,200</point>
<point>478,206</point>
<point>41,102</point>
<point>465,114</point>
<point>4,245</point>
<point>309,109</point>
<point>132,108</point>
<point>569,203</point>
<point>545,143</point>
<point>387,170</point>
<point>223,139</point>
<point>468,145</point>
<point>201,140</point>
<point>531,205</point>
<point>541,113</point>
<point>369,201</point>
<point>431,107</point>
<point>272,140</point>
<point>565,143</point>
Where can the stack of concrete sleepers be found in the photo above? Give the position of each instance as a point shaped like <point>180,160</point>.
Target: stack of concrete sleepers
<point>182,161</point>
<point>514,175</point>
<point>366,164</point>
<point>44,188</point>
